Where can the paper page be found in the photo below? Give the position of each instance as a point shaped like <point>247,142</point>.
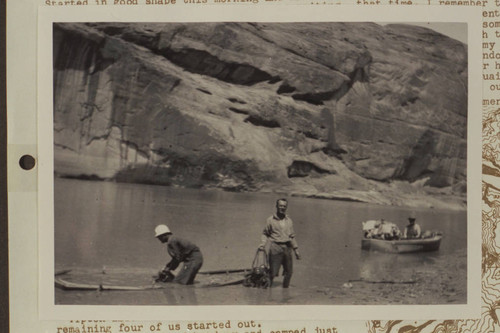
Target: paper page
<point>200,115</point>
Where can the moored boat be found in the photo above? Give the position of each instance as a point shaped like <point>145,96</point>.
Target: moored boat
<point>402,245</point>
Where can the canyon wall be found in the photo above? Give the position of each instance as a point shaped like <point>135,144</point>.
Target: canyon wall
<point>311,108</point>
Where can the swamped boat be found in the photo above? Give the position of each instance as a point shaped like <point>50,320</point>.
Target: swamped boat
<point>402,245</point>
<point>136,281</point>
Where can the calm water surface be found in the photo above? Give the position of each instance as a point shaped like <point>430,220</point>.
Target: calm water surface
<point>104,225</point>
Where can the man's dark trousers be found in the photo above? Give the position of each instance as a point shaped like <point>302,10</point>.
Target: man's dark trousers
<point>280,254</point>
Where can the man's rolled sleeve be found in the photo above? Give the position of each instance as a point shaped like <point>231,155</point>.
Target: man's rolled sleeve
<point>264,237</point>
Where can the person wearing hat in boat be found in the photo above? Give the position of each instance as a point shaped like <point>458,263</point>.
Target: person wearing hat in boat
<point>412,230</point>
<point>181,251</point>
<point>279,237</point>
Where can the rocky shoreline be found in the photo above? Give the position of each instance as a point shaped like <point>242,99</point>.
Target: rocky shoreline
<point>399,194</point>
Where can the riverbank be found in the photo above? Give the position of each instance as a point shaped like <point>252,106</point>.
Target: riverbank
<point>397,193</point>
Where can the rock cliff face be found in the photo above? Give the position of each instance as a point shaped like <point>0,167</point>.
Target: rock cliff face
<point>307,108</point>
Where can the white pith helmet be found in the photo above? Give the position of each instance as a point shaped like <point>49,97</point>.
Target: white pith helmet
<point>161,229</point>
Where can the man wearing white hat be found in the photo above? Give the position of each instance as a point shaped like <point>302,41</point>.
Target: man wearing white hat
<point>180,250</point>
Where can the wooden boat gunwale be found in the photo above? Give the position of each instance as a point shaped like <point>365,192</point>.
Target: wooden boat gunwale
<point>402,245</point>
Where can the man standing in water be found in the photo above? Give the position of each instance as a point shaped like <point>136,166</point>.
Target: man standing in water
<point>412,230</point>
<point>180,250</point>
<point>281,236</point>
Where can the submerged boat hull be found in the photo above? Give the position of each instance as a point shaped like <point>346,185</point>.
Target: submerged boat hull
<point>402,245</point>
<point>114,280</point>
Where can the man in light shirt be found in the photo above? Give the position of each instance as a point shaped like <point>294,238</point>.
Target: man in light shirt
<point>279,237</point>
<point>412,230</point>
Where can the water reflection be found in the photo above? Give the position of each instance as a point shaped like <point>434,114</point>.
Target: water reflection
<point>179,295</point>
<point>274,295</point>
<point>379,266</point>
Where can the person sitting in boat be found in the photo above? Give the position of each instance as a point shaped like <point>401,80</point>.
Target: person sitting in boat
<point>370,228</point>
<point>412,230</point>
<point>388,230</point>
<point>180,250</point>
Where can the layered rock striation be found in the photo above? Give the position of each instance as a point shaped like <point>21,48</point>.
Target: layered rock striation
<point>309,108</point>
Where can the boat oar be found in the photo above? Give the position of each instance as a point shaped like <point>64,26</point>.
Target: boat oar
<point>226,271</point>
<point>385,281</point>
<point>230,283</point>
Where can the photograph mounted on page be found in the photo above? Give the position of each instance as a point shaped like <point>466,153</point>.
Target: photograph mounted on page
<point>240,163</point>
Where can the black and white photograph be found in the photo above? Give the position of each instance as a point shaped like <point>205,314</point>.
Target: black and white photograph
<point>254,163</point>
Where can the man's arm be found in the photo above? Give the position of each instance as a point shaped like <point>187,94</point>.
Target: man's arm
<point>165,275</point>
<point>172,265</point>
<point>263,241</point>
<point>418,231</point>
<point>293,242</point>
<point>264,237</point>
<point>175,250</point>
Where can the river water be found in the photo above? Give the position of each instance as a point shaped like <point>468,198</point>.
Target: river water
<point>110,226</point>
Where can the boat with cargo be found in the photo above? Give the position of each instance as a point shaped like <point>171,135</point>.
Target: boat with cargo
<point>402,245</point>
